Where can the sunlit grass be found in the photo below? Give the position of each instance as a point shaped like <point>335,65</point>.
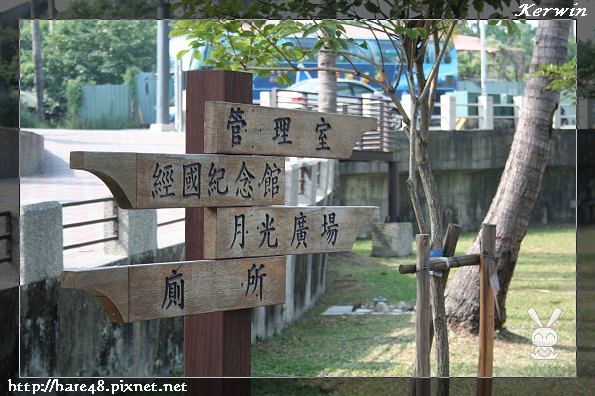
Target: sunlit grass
<point>384,345</point>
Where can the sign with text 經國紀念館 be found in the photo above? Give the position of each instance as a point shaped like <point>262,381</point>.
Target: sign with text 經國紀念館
<point>232,128</point>
<point>154,291</point>
<point>144,181</point>
<point>282,230</point>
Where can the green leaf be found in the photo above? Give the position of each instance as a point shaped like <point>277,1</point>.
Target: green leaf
<point>372,7</point>
<point>399,30</point>
<point>284,79</point>
<point>309,30</point>
<point>180,54</point>
<point>178,32</point>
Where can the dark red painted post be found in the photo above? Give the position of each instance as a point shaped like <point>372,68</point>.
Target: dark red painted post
<point>215,344</point>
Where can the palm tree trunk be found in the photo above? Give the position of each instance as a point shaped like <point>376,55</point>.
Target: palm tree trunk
<point>520,183</point>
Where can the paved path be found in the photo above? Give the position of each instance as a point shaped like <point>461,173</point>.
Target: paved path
<point>60,183</point>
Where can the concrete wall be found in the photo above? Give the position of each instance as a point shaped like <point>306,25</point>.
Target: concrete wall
<point>467,166</point>
<point>20,144</point>
<point>66,332</point>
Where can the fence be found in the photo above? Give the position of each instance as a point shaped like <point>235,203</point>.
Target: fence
<point>6,237</point>
<point>91,240</point>
<point>105,106</point>
<point>452,112</point>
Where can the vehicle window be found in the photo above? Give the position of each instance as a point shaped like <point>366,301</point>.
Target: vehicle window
<point>359,90</point>
<point>343,89</point>
<point>307,86</point>
<point>431,55</point>
<point>355,49</point>
<point>389,53</point>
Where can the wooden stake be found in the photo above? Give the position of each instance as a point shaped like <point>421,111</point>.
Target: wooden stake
<point>423,316</point>
<point>215,344</point>
<point>486,311</point>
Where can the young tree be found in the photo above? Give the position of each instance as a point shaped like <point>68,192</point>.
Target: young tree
<point>254,45</point>
<point>520,183</point>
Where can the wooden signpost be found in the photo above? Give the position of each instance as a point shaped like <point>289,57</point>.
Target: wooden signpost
<point>153,291</point>
<point>280,230</point>
<point>215,296</point>
<point>149,181</point>
<point>236,128</point>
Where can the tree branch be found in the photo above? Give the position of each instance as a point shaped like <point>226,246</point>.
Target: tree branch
<point>436,65</point>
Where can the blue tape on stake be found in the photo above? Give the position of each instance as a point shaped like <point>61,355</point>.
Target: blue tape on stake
<point>436,253</point>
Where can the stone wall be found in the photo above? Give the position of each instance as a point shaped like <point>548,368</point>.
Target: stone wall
<point>467,166</point>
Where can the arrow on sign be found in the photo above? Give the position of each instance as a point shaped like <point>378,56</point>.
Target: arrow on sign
<point>281,230</point>
<point>153,291</point>
<point>233,128</point>
<point>144,181</point>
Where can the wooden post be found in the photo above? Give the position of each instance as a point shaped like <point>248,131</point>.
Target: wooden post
<point>215,344</point>
<point>423,316</point>
<point>486,311</point>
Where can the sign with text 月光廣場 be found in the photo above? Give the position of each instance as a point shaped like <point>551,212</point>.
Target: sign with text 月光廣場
<point>232,128</point>
<point>282,230</point>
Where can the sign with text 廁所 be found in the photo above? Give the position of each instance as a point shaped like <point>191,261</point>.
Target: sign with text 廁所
<point>143,181</point>
<point>281,230</point>
<point>232,128</point>
<point>153,291</point>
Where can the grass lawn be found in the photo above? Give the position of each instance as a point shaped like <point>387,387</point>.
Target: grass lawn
<point>383,345</point>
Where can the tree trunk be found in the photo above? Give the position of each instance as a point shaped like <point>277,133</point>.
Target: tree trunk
<point>327,96</point>
<point>520,183</point>
<point>51,14</point>
<point>36,49</point>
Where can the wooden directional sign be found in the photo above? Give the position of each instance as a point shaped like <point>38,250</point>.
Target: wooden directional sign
<point>247,129</point>
<point>271,231</point>
<point>142,181</point>
<point>154,291</point>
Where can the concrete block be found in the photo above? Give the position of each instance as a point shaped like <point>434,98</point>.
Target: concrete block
<point>41,241</point>
<point>137,231</point>
<point>392,239</point>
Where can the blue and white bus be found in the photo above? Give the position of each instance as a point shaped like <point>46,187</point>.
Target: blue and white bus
<point>377,49</point>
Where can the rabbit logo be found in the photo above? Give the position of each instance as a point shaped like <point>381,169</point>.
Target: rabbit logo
<point>544,338</point>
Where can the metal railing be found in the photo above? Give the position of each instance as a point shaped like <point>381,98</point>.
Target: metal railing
<point>390,122</point>
<point>113,219</point>
<point>6,254</point>
<point>174,221</point>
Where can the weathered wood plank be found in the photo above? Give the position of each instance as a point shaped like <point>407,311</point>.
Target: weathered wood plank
<point>143,181</point>
<point>248,129</point>
<point>154,291</point>
<point>109,287</point>
<point>440,263</point>
<point>423,315</point>
<point>280,230</point>
<point>486,310</point>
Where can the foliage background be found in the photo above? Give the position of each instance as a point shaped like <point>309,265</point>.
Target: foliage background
<point>80,52</point>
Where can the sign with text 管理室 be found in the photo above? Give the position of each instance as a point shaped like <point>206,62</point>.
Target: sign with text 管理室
<point>249,129</point>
